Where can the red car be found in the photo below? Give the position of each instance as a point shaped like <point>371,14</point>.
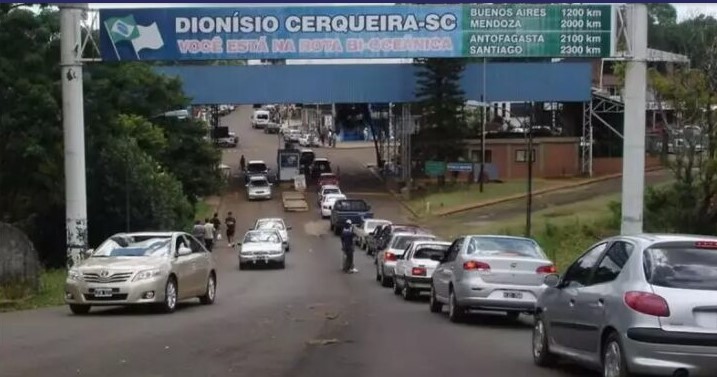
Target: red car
<point>328,179</point>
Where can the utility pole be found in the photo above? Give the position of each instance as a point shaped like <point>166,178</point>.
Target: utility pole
<point>73,124</point>
<point>633,157</point>
<point>529,204</point>
<point>483,128</point>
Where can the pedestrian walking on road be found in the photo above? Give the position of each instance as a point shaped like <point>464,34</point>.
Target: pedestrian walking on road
<point>242,163</point>
<point>198,230</point>
<point>217,228</point>
<point>209,234</point>
<point>231,224</point>
<point>347,246</point>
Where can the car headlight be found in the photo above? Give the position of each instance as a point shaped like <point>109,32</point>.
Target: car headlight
<point>74,275</point>
<point>147,274</point>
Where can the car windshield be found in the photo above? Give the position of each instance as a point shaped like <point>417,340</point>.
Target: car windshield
<point>504,247</point>
<point>330,191</point>
<point>259,183</point>
<point>134,246</point>
<point>262,116</point>
<point>322,166</point>
<point>256,168</point>
<point>402,242</point>
<point>430,251</point>
<point>352,206</point>
<point>262,236</point>
<point>371,225</point>
<point>681,268</point>
<point>270,224</point>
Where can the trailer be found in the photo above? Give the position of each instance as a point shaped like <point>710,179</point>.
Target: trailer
<point>294,201</point>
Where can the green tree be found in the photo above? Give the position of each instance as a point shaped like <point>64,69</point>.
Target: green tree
<point>163,164</point>
<point>440,101</point>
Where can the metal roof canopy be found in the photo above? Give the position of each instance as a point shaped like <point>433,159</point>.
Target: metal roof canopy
<point>377,83</point>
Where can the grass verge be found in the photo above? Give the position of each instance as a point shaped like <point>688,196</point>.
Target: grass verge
<point>564,231</point>
<point>459,195</point>
<point>203,210</point>
<point>50,293</point>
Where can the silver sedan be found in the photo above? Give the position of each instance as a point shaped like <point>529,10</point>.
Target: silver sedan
<point>142,268</point>
<point>643,304</point>
<point>490,273</point>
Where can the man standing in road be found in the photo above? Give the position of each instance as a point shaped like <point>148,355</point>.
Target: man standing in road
<point>242,163</point>
<point>231,223</point>
<point>209,234</point>
<point>347,246</point>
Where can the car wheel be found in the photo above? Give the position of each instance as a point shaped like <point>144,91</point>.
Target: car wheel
<point>364,246</point>
<point>80,309</point>
<point>541,349</point>
<point>407,293</point>
<point>456,313</point>
<point>433,303</point>
<point>211,291</point>
<point>170,296</point>
<point>613,360</point>
<point>242,266</point>
<point>396,287</point>
<point>282,265</point>
<point>331,227</point>
<point>378,275</point>
<point>337,231</point>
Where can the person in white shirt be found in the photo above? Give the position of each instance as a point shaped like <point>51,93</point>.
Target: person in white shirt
<point>209,232</point>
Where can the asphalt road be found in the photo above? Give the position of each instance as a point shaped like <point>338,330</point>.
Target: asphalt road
<point>272,322</point>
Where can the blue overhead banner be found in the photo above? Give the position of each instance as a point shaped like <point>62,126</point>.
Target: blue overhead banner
<point>339,32</point>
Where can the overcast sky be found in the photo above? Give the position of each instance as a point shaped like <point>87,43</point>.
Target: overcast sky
<point>684,10</point>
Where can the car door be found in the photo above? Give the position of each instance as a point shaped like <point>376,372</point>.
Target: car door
<point>202,259</point>
<point>443,275</point>
<point>402,265</point>
<point>183,269</point>
<point>566,325</point>
<point>591,303</point>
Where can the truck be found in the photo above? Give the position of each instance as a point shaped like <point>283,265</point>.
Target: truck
<point>356,210</point>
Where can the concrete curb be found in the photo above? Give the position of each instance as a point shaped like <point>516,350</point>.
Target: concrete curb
<point>489,203</point>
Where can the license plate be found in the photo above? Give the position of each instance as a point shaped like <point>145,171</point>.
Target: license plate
<point>103,292</point>
<point>513,295</point>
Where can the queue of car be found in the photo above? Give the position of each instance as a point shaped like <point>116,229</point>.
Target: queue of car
<point>630,305</point>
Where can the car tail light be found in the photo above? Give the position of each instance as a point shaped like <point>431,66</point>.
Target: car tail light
<point>706,245</point>
<point>418,271</point>
<point>548,270</point>
<point>476,266</point>
<point>647,303</point>
<point>390,257</point>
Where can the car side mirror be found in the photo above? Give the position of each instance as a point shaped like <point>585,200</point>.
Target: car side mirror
<point>184,251</point>
<point>552,280</point>
<point>88,253</point>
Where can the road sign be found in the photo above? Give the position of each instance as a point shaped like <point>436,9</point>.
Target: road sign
<point>378,31</point>
<point>435,168</point>
<point>460,167</point>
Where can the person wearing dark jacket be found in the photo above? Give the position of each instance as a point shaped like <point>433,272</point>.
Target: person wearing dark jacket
<point>347,246</point>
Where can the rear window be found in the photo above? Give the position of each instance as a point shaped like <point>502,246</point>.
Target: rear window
<point>428,252</point>
<point>682,268</point>
<point>402,242</point>
<point>504,247</point>
<point>262,116</point>
<point>256,168</point>
<point>351,206</point>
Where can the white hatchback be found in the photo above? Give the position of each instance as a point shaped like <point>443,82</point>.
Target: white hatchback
<point>415,267</point>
